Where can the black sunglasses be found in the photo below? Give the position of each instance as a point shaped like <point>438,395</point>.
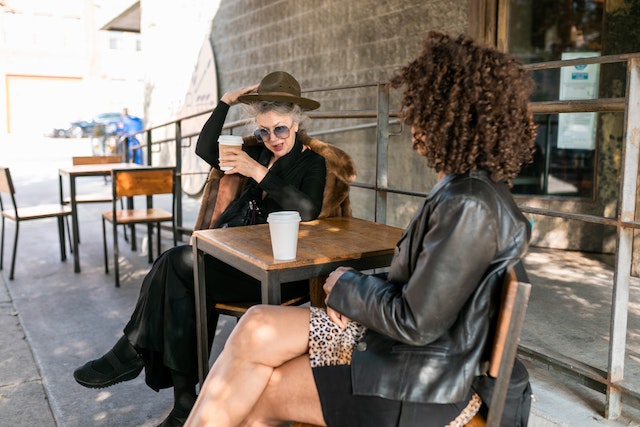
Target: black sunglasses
<point>278,131</point>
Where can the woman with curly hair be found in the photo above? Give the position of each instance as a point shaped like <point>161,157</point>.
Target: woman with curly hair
<point>403,346</point>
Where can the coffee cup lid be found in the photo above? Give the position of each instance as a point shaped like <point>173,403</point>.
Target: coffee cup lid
<point>230,139</point>
<point>283,216</point>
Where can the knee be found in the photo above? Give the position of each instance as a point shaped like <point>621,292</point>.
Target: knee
<point>181,255</point>
<point>255,328</point>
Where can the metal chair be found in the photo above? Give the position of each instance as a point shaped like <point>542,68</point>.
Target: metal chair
<point>27,213</point>
<point>133,182</point>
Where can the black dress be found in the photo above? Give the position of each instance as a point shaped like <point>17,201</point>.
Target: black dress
<point>162,326</point>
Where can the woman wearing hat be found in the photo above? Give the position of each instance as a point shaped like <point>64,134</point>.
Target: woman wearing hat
<point>282,175</point>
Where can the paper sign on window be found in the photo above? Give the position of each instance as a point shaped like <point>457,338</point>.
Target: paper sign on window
<point>578,130</point>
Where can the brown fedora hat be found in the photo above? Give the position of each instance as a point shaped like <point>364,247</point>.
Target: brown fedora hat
<point>279,86</point>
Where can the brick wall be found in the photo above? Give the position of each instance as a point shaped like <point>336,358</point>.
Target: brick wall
<point>327,42</point>
<point>335,43</point>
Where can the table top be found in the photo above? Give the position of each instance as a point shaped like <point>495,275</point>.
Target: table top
<point>96,169</point>
<point>319,242</point>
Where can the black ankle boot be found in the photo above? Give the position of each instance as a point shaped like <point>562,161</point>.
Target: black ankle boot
<point>184,396</point>
<point>121,363</point>
<point>176,418</point>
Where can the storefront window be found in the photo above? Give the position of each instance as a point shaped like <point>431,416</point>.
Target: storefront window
<point>549,30</point>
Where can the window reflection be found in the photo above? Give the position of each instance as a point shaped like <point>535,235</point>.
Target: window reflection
<point>549,30</point>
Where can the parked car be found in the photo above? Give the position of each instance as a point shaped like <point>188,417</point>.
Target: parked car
<point>104,124</point>
<point>60,132</point>
<point>107,124</point>
<point>80,129</point>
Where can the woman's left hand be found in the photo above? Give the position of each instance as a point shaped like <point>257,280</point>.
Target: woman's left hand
<point>243,164</point>
<point>339,319</point>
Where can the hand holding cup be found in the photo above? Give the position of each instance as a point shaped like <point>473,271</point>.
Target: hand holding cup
<point>228,145</point>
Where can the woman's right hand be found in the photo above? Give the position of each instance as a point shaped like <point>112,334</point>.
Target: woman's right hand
<point>241,163</point>
<point>231,97</point>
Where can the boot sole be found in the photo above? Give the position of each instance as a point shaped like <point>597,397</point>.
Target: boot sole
<point>126,376</point>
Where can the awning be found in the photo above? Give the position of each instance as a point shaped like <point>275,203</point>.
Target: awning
<point>128,20</point>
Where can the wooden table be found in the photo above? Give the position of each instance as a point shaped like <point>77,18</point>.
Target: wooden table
<point>323,245</point>
<point>79,171</point>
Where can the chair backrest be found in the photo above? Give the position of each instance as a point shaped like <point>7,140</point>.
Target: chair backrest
<point>95,160</point>
<point>513,308</point>
<point>6,184</point>
<point>6,187</point>
<point>143,181</point>
<point>221,189</point>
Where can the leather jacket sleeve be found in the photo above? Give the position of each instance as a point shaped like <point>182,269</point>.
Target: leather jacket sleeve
<point>437,266</point>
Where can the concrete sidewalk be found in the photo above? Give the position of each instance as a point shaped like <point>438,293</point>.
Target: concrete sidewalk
<point>53,320</point>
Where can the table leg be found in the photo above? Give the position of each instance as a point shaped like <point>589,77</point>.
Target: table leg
<point>74,223</point>
<point>270,288</point>
<point>201,310</point>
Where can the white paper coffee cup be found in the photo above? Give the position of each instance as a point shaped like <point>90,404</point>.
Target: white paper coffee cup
<point>228,141</point>
<point>283,227</point>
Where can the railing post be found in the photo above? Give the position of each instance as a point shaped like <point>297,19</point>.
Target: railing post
<point>149,146</point>
<point>624,249</point>
<point>382,148</point>
<point>178,149</point>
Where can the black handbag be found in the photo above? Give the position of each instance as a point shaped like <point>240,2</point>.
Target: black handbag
<point>245,210</point>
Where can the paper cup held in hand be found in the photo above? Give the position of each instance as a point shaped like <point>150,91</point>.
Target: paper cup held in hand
<point>283,227</point>
<point>226,142</point>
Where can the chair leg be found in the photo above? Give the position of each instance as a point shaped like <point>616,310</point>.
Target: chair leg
<point>124,226</point>
<point>116,254</point>
<point>175,233</point>
<point>159,244</point>
<point>63,249</point>
<point>104,246</point>
<point>66,219</point>
<point>15,250</point>
<point>2,244</point>
<point>134,244</point>
<point>150,243</point>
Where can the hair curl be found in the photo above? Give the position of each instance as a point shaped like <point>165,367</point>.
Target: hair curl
<point>468,106</point>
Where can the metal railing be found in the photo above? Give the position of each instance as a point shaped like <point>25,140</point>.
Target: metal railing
<point>609,382</point>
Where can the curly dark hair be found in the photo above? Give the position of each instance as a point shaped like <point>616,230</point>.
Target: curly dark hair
<point>468,106</point>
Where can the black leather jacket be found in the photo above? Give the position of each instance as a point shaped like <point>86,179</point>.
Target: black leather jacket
<point>429,320</point>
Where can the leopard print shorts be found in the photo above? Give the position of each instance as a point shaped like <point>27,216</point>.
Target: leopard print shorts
<point>328,344</point>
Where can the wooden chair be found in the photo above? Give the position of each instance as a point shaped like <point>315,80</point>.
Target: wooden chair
<point>511,316</point>
<point>18,214</point>
<point>513,308</point>
<point>103,197</point>
<point>221,189</point>
<point>139,182</point>
<point>95,160</point>
<point>92,160</point>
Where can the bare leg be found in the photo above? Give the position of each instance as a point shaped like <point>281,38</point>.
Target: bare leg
<point>265,338</point>
<point>291,395</point>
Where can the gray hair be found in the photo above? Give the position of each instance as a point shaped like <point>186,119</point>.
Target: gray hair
<point>294,110</point>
